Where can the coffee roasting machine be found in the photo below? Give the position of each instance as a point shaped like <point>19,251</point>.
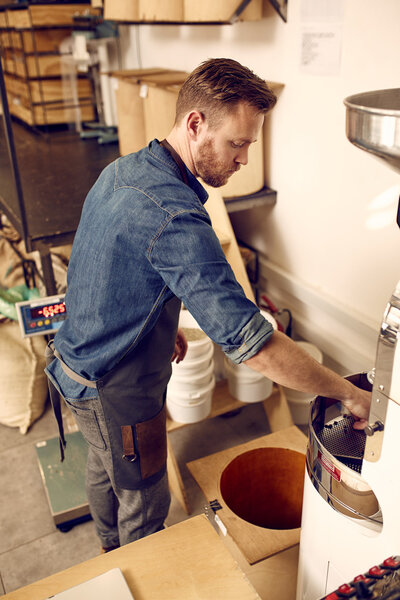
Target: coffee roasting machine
<point>350,522</point>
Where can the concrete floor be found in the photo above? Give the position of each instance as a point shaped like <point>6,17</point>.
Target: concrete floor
<point>32,547</point>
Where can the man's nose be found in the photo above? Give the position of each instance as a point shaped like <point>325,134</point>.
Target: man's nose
<point>242,156</point>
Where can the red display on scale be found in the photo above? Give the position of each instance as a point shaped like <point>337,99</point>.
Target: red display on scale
<point>50,310</point>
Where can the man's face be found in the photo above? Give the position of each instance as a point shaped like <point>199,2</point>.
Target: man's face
<point>222,150</point>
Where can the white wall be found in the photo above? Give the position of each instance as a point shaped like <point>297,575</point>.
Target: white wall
<point>331,243</point>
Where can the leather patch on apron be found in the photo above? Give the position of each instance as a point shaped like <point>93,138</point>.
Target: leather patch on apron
<point>128,443</point>
<point>151,438</point>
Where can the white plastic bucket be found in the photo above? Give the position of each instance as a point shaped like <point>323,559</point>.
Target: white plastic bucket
<point>188,367</point>
<point>299,402</point>
<point>245,384</point>
<point>190,407</point>
<point>182,382</point>
<point>196,347</point>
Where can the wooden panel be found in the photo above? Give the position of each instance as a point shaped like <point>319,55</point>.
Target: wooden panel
<point>43,15</point>
<point>3,19</point>
<point>60,14</point>
<point>161,10</point>
<point>47,65</point>
<point>255,542</point>
<point>159,113</point>
<point>187,561</point>
<point>210,10</point>
<point>18,18</point>
<point>50,116</point>
<point>121,10</point>
<point>45,40</point>
<point>50,90</point>
<point>130,112</point>
<point>165,78</point>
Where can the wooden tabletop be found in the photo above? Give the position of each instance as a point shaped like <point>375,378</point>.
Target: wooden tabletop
<point>187,561</point>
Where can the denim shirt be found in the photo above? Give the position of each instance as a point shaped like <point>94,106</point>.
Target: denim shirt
<point>143,237</point>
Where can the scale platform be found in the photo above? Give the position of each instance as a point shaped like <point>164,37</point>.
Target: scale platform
<point>64,482</point>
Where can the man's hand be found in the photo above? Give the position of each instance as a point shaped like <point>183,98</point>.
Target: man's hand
<point>359,405</point>
<point>180,347</point>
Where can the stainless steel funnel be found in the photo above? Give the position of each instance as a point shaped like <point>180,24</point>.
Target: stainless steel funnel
<point>373,123</point>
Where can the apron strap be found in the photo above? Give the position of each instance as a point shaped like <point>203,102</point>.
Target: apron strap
<point>74,376</point>
<point>55,401</point>
<point>55,397</point>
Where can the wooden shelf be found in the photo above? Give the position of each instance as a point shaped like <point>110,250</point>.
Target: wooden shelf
<point>265,197</point>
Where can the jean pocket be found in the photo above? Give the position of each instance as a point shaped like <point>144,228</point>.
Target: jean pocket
<point>88,420</point>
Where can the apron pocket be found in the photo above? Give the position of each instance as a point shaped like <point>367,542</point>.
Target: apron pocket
<point>86,417</point>
<point>151,437</point>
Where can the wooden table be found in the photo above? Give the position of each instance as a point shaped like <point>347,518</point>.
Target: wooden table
<point>187,561</point>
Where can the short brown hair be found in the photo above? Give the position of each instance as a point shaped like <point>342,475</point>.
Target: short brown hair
<point>219,84</point>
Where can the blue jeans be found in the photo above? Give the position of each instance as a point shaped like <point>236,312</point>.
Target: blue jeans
<point>121,516</point>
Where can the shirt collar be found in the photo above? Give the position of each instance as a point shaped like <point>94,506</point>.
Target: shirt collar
<point>194,184</point>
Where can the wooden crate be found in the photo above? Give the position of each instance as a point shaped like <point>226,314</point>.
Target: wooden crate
<point>50,114</point>
<point>41,40</point>
<point>3,19</point>
<point>29,66</point>
<point>46,90</point>
<point>45,15</point>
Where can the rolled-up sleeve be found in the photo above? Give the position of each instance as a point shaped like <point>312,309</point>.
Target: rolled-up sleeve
<point>255,334</point>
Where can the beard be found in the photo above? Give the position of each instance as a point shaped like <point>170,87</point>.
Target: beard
<point>208,166</point>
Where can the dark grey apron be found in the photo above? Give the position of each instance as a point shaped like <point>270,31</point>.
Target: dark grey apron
<point>132,396</point>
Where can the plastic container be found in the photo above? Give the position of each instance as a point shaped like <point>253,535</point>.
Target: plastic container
<point>189,368</point>
<point>299,402</point>
<point>182,382</point>
<point>190,407</point>
<point>245,384</point>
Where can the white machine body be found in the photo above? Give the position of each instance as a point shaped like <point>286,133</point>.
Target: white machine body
<point>335,547</point>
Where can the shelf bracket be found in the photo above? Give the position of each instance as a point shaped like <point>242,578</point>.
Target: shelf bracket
<point>281,8</point>
<point>239,11</point>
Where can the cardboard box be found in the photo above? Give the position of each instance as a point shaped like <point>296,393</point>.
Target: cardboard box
<point>161,10</point>
<point>121,10</point>
<point>222,10</point>
<point>146,100</point>
<point>145,105</point>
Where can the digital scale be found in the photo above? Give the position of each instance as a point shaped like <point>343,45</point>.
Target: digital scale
<point>41,316</point>
<point>64,482</point>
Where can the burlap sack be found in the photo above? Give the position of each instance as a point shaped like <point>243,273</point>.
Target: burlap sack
<point>23,383</point>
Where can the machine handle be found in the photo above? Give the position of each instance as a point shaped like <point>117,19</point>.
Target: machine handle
<point>371,429</point>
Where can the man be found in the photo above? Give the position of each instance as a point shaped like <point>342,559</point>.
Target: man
<point>144,245</point>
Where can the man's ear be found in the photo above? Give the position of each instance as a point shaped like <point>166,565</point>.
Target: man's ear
<point>194,124</point>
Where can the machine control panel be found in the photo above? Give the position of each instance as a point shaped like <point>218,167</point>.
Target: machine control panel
<point>380,581</point>
<point>41,316</point>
